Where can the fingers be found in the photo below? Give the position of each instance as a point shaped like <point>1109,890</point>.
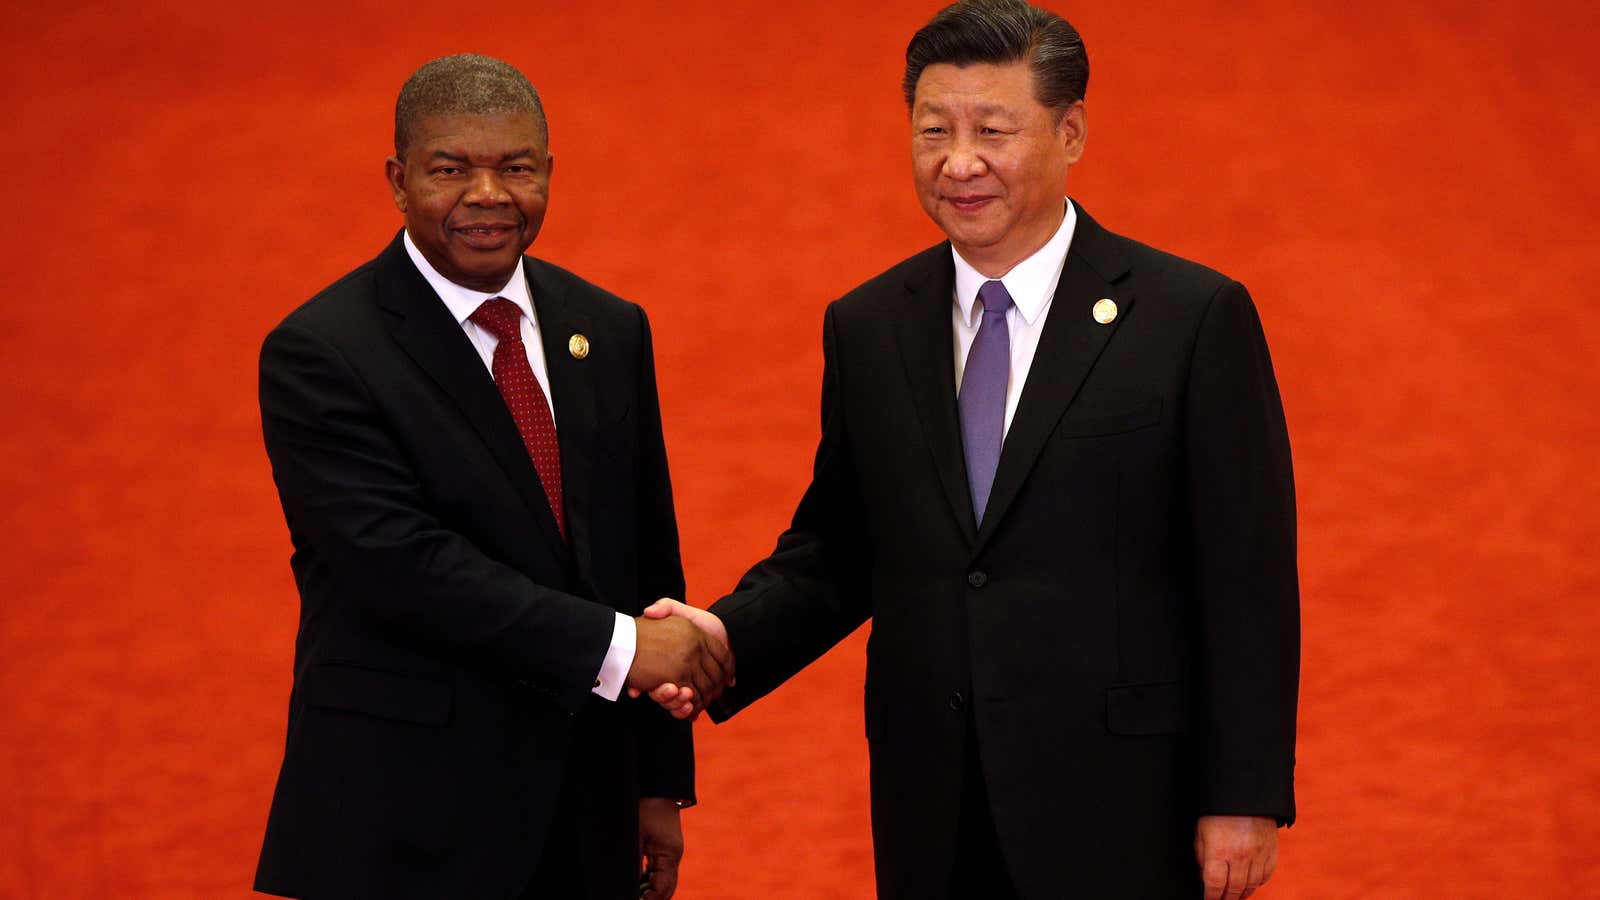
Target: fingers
<point>720,651</point>
<point>1237,854</point>
<point>1238,880</point>
<point>1214,873</point>
<point>659,882</point>
<point>708,678</point>
<point>1252,879</point>
<point>677,701</point>
<point>661,608</point>
<point>667,694</point>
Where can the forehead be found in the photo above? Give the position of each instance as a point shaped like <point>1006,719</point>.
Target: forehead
<point>474,133</point>
<point>977,87</point>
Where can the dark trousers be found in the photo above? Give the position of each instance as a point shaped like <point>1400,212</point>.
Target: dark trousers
<point>559,875</point>
<point>980,871</point>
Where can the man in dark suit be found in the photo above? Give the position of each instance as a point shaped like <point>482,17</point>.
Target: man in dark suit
<point>467,445</point>
<point>1055,474</point>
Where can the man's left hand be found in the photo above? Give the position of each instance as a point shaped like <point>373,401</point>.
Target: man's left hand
<point>661,844</point>
<point>1236,853</point>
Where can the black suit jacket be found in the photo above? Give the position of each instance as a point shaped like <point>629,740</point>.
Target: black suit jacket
<point>448,639</point>
<point>1122,628</point>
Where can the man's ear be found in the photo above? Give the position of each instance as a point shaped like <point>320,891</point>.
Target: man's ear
<point>395,171</point>
<point>1073,131</point>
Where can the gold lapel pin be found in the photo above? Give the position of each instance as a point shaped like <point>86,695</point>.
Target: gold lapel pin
<point>578,346</point>
<point>1105,311</point>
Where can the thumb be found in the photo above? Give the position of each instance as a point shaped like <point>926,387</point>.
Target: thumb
<point>660,609</point>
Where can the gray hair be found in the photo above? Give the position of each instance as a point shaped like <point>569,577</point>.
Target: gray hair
<point>464,84</point>
<point>1000,32</point>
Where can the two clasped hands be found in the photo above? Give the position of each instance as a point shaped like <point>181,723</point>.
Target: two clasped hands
<point>681,658</point>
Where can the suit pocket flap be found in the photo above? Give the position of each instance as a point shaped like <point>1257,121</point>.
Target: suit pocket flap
<point>1143,709</point>
<point>1094,426</point>
<point>387,695</point>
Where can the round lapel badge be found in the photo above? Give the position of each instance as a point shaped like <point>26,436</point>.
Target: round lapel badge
<point>1105,311</point>
<point>578,346</point>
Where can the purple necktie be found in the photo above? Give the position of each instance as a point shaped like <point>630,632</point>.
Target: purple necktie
<point>983,394</point>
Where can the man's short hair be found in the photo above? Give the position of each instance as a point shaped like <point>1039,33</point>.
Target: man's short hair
<point>1000,32</point>
<point>463,84</point>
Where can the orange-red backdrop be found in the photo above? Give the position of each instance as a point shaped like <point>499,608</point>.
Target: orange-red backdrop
<point>1408,188</point>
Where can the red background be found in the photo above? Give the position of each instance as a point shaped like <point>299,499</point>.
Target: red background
<point>1408,189</point>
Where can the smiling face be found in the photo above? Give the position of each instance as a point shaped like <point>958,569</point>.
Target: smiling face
<point>990,161</point>
<point>473,189</point>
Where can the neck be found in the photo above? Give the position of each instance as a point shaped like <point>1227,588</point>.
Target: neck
<point>995,260</point>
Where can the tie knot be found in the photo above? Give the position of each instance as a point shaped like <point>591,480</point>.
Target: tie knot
<point>994,297</point>
<point>500,317</point>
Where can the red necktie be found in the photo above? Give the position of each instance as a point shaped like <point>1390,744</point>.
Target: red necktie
<point>512,374</point>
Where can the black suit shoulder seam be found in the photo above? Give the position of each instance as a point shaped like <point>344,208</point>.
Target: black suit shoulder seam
<point>287,327</point>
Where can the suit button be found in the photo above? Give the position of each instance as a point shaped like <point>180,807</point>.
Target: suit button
<point>957,701</point>
<point>977,579</point>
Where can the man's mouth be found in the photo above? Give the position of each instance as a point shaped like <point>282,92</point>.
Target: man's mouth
<point>486,235</point>
<point>969,202</point>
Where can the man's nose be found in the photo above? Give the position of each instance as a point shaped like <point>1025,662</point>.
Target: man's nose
<point>964,161</point>
<point>486,188</point>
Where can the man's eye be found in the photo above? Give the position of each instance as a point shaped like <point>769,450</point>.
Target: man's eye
<point>933,131</point>
<point>447,171</point>
<point>518,169</point>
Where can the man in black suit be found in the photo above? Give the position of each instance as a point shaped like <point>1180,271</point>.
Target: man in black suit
<point>470,561</point>
<point>1055,474</point>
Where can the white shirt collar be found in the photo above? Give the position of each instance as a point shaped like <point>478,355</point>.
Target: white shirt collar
<point>1031,283</point>
<point>463,302</point>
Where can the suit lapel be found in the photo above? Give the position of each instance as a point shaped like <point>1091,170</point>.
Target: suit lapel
<point>572,384</point>
<point>431,336</point>
<point>927,351</point>
<point>1071,342</point>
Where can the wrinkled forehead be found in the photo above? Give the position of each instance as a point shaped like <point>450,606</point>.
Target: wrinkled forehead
<point>975,89</point>
<point>495,135</point>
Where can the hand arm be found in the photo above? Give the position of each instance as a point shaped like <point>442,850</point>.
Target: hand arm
<point>676,699</point>
<point>666,745</point>
<point>362,524</point>
<point>661,845</point>
<point>1246,590</point>
<point>814,589</point>
<point>673,651</point>
<point>1237,854</point>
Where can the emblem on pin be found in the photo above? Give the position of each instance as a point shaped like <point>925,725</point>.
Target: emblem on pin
<point>578,346</point>
<point>1105,311</point>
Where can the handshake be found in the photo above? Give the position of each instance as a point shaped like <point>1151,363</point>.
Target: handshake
<point>681,658</point>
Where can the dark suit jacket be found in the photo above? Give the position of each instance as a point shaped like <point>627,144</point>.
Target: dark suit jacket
<point>448,640</point>
<point>1122,628</point>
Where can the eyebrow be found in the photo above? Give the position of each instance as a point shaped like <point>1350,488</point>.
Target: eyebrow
<point>455,157</point>
<point>981,108</point>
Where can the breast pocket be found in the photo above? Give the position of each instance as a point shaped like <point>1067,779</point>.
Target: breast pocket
<point>1097,425</point>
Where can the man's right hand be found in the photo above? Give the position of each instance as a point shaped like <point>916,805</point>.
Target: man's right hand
<point>672,652</point>
<point>675,699</point>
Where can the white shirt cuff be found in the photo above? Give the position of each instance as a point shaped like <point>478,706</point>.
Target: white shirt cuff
<point>619,659</point>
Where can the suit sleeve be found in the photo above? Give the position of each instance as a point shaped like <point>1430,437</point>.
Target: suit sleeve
<point>793,606</point>
<point>349,491</point>
<point>1242,508</point>
<point>666,745</point>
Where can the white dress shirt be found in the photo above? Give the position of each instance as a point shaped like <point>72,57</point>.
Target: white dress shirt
<point>1032,286</point>
<point>462,303</point>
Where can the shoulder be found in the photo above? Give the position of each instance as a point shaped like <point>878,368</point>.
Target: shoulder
<point>1169,273</point>
<point>1152,270</point>
<point>892,284</point>
<point>581,293</point>
<point>335,310</point>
